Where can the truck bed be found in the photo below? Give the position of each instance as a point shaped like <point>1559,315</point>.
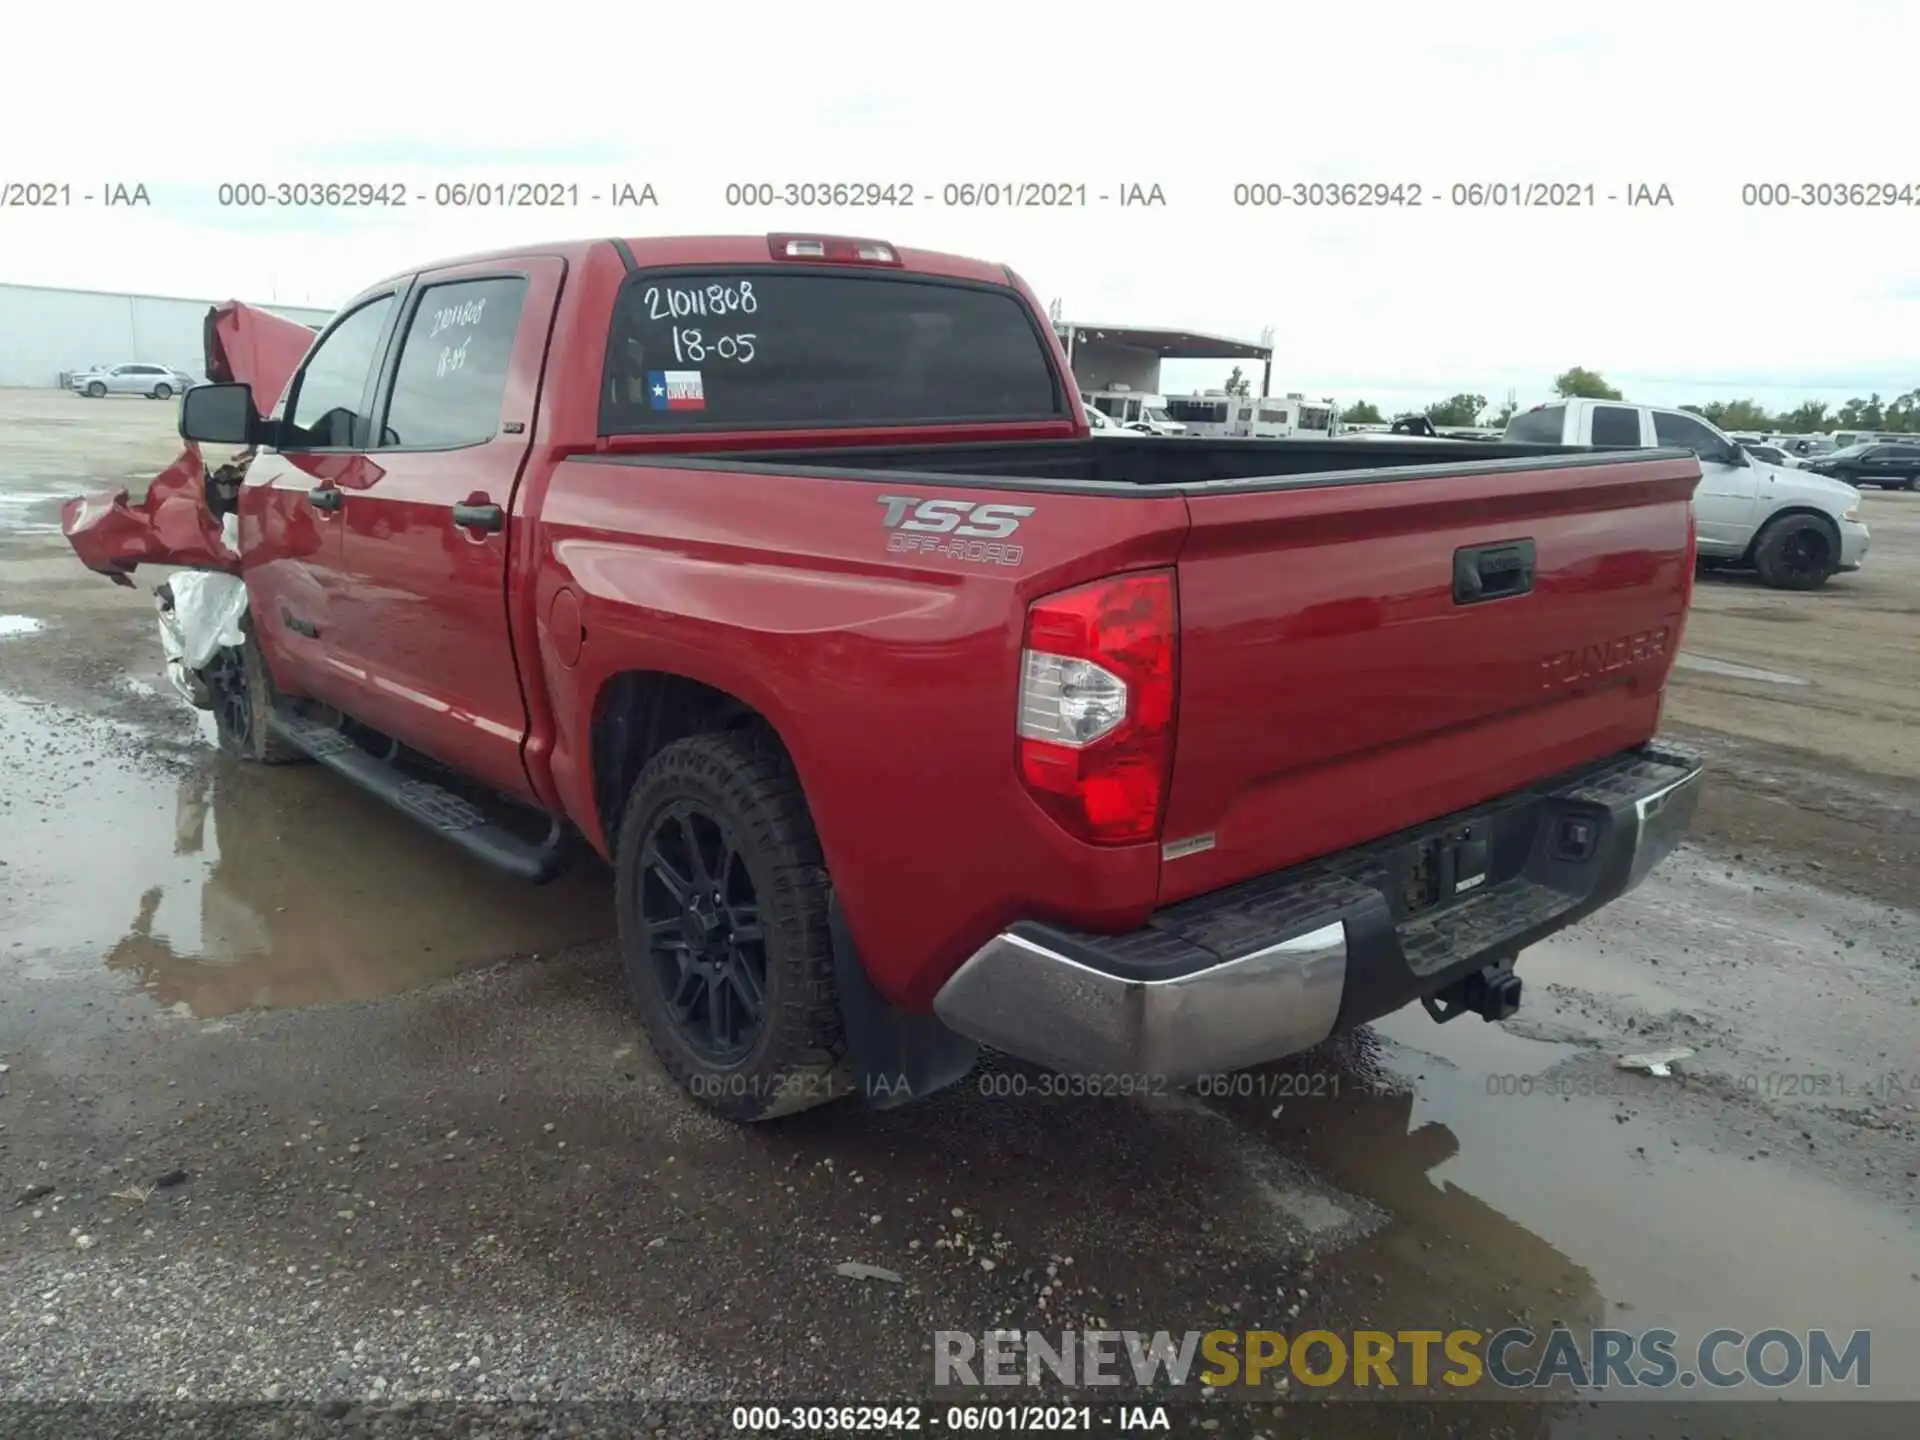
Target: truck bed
<point>1156,461</point>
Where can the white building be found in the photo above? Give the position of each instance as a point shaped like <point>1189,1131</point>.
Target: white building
<point>1105,357</point>
<point>45,332</point>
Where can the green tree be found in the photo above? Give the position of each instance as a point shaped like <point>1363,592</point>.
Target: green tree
<point>1499,418</point>
<point>1735,414</point>
<point>1457,410</point>
<point>1581,384</point>
<point>1805,419</point>
<point>1361,412</point>
<point>1238,384</point>
<point>1903,412</point>
<point>1858,414</point>
<point>1748,415</point>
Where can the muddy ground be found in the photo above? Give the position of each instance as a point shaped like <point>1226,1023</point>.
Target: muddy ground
<point>298,1103</point>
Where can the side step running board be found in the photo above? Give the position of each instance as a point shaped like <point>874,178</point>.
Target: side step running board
<point>448,815</point>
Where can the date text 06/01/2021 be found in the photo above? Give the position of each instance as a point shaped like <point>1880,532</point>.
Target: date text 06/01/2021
<point>1239,1085</point>
<point>397,194</point>
<point>1113,1420</point>
<point>1459,195</point>
<point>1009,194</point>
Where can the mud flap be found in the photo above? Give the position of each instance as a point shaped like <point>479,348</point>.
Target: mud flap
<point>897,1057</point>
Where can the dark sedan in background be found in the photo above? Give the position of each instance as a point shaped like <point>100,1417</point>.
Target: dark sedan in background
<point>1889,465</point>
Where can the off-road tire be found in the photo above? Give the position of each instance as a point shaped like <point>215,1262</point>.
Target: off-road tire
<point>243,697</point>
<point>744,782</point>
<point>1795,552</point>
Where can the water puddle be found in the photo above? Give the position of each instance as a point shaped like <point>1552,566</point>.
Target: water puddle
<point>11,625</point>
<point>221,888</point>
<point>29,506</point>
<point>1795,996</point>
<point>1709,666</point>
<point>1627,1220</point>
<point>1529,1180</point>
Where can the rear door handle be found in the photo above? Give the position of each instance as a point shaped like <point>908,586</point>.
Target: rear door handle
<point>1492,572</point>
<point>326,498</point>
<point>479,517</point>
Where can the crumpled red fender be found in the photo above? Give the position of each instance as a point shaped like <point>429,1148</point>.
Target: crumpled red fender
<point>173,525</point>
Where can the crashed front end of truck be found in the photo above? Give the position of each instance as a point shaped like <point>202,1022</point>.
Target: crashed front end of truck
<point>189,515</point>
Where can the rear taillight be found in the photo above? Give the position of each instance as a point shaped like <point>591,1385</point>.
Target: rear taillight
<point>1096,706</point>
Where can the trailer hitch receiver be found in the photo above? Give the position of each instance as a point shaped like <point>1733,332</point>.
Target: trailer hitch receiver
<point>1492,993</point>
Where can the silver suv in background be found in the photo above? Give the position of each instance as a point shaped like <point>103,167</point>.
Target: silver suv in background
<point>157,382</point>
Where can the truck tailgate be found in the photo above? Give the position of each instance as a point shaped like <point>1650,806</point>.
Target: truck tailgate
<point>1362,653</point>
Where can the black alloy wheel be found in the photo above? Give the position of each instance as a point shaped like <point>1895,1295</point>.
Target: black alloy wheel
<point>1796,552</point>
<point>244,697</point>
<point>725,936</point>
<point>704,933</point>
<point>227,679</point>
<point>1804,553</point>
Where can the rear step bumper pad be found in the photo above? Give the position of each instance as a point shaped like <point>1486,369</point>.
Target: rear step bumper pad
<point>1274,965</point>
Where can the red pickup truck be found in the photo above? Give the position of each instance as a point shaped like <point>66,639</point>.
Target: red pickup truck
<point>782,572</point>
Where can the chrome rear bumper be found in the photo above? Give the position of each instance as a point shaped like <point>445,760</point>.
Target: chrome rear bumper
<point>1017,995</point>
<point>1198,991</point>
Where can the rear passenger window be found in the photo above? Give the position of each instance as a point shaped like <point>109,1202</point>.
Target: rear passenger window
<point>452,374</point>
<point>1538,427</point>
<point>803,348</point>
<point>1615,425</point>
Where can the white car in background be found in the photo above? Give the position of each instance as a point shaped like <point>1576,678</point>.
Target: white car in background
<point>156,382</point>
<point>1771,455</point>
<point>1156,421</point>
<point>1796,528</point>
<point>1133,410</point>
<point>1105,427</point>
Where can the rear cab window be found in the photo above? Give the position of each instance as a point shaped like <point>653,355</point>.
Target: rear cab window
<point>1538,427</point>
<point>805,348</point>
<point>1616,425</point>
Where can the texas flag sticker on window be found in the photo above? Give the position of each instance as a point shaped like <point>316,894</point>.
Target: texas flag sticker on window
<point>676,390</point>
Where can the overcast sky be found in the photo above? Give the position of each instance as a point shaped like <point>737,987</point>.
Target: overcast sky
<point>1704,299</point>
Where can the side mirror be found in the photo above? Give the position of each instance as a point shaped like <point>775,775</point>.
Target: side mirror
<point>220,415</point>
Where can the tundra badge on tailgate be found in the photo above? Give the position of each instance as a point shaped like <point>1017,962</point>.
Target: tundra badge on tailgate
<point>956,529</point>
<point>1589,662</point>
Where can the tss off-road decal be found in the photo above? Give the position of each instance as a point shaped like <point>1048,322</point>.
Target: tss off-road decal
<point>955,529</point>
